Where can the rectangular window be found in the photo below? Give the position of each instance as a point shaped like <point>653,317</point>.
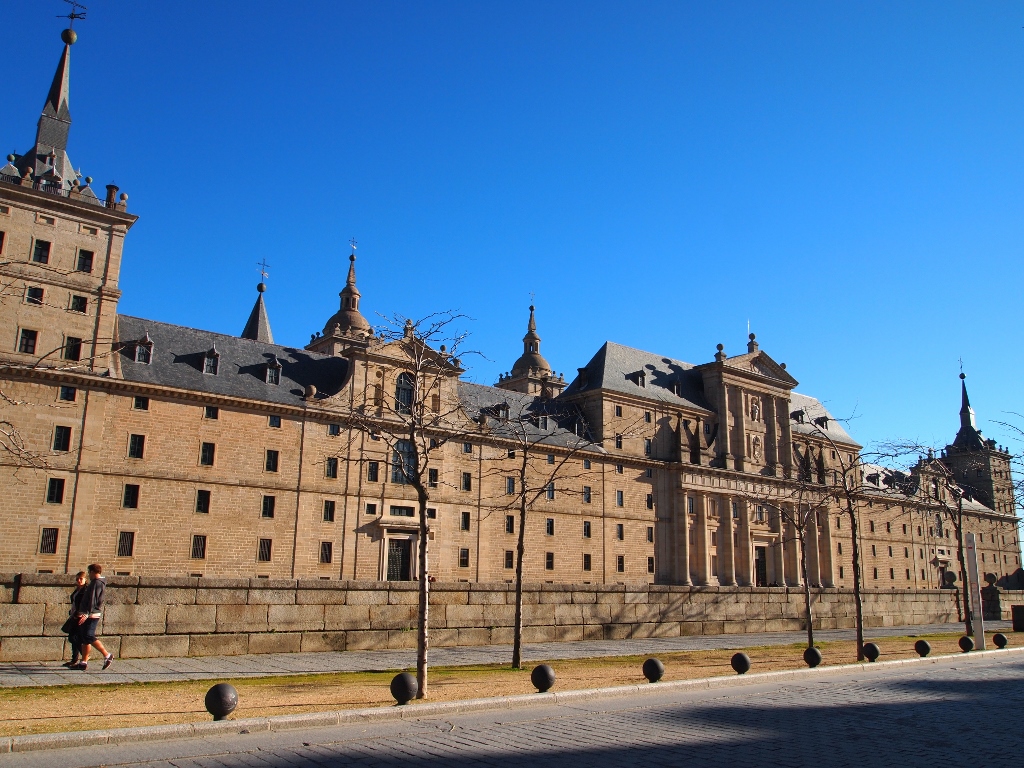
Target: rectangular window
<point>140,403</point>
<point>550,491</point>
<point>618,410</point>
<point>48,542</point>
<point>841,572</point>
<point>586,494</point>
<point>265,550</point>
<point>648,446</point>
<point>689,504</point>
<point>27,342</point>
<point>618,469</point>
<point>403,512</point>
<point>908,574</point>
<point>892,574</point>
<point>431,513</point>
<point>464,520</point>
<point>41,252</point>
<point>586,529</point>
<point>210,364</point>
<point>198,547</point>
<point>68,394</point>
<point>403,462</point>
<point>126,543</point>
<point>211,412</point>
<point>371,509</point>
<point>467,481</point>
<point>331,468</point>
<point>463,558</point>
<point>274,377</point>
<point>650,534</point>
<point>549,526</point>
<point>510,523</point>
<point>650,565</point>
<point>136,446</point>
<point>586,464</point>
<point>85,259</point>
<point>875,573</point>
<point>269,504</point>
<point>510,486</point>
<point>203,502</point>
<point>333,430</point>
<point>620,563</point>
<point>432,478</point>
<point>274,422</point>
<point>510,561</point>
<point>326,552</point>
<point>618,441</point>
<point>647,417</point>
<point>549,561</point>
<point>131,496</point>
<point>62,439</point>
<point>72,348</point>
<point>273,459</point>
<point>55,490</point>
<point>79,304</point>
<point>650,501</point>
<point>620,533</point>
<point>372,471</point>
<point>144,353</point>
<point>551,458</point>
<point>34,296</point>
<point>328,510</point>
<point>467,447</point>
<point>619,499</point>
<point>206,454</point>
<point>648,472</point>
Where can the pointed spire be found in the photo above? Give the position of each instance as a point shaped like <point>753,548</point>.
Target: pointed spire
<point>257,327</point>
<point>531,359</point>
<point>348,319</point>
<point>968,438</point>
<point>55,121</point>
<point>966,412</point>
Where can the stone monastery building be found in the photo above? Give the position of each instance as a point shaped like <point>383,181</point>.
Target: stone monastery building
<point>161,450</point>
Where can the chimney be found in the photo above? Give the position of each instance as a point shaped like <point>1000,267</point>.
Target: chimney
<point>111,194</point>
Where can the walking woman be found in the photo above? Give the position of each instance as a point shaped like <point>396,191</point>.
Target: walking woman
<point>71,627</point>
<point>90,611</point>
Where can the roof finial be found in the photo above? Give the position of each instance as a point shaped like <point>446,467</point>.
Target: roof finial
<point>69,36</point>
<point>263,275</point>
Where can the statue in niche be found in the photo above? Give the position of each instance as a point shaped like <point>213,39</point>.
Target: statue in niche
<point>755,410</point>
<point>756,444</point>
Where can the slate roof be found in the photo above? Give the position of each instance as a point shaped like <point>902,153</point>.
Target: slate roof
<point>178,354</point>
<point>813,409</point>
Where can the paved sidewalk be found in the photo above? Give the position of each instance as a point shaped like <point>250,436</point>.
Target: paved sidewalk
<point>22,674</point>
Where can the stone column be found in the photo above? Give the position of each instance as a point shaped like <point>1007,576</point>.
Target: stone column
<point>739,449</point>
<point>744,565</point>
<point>703,562</point>
<point>778,548</point>
<point>726,562</point>
<point>792,550</point>
<point>771,442</point>
<point>682,553</point>
<point>825,555</point>
<point>723,426</point>
<point>786,444</point>
<point>811,542</point>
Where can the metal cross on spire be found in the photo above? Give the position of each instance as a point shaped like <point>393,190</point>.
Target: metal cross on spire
<point>77,12</point>
<point>961,361</point>
<point>532,296</point>
<point>352,242</point>
<point>263,269</point>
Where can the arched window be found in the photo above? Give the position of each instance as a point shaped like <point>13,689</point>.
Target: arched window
<point>403,462</point>
<point>403,393</point>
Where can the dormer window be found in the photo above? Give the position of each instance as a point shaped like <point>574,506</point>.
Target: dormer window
<point>211,361</point>
<point>144,350</point>
<point>274,371</point>
<point>641,379</point>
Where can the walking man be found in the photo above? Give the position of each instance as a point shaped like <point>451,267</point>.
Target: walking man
<point>90,611</point>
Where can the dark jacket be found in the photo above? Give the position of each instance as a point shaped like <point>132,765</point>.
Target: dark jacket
<point>90,601</point>
<point>75,598</point>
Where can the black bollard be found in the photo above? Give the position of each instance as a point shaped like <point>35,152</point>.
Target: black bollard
<point>404,688</point>
<point>871,652</point>
<point>1000,640</point>
<point>812,657</point>
<point>740,663</point>
<point>221,700</point>
<point>923,648</point>
<point>653,670</point>
<point>966,644</point>
<point>542,677</point>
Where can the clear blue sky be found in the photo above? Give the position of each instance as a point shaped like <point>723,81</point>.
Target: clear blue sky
<point>847,177</point>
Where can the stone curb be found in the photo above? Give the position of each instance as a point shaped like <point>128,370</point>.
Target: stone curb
<point>117,736</point>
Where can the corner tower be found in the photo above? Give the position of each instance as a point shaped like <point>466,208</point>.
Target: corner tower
<point>531,373</point>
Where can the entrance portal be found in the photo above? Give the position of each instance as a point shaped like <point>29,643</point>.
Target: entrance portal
<point>399,560</point>
<point>760,567</point>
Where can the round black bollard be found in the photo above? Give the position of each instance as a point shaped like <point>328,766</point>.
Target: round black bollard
<point>221,700</point>
<point>653,670</point>
<point>404,688</point>
<point>871,652</point>
<point>1000,640</point>
<point>812,657</point>
<point>966,644</point>
<point>923,648</point>
<point>740,663</point>
<point>542,677</point>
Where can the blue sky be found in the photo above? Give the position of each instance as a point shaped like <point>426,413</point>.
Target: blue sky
<point>847,177</point>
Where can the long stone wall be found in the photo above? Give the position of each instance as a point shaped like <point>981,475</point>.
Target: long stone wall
<point>147,617</point>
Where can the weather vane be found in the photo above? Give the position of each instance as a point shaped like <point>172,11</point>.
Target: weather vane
<point>961,360</point>
<point>263,268</point>
<point>77,12</point>
<point>532,294</point>
<point>353,243</point>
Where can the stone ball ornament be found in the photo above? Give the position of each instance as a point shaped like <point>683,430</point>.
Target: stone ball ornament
<point>812,657</point>
<point>966,644</point>
<point>542,677</point>
<point>404,688</point>
<point>923,648</point>
<point>1000,640</point>
<point>69,36</point>
<point>871,652</point>
<point>740,663</point>
<point>654,670</point>
<point>221,700</point>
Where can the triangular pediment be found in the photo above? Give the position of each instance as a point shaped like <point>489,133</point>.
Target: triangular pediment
<point>761,364</point>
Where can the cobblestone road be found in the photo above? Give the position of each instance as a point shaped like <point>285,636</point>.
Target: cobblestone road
<point>956,710</point>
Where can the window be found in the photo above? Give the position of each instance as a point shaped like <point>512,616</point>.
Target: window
<point>371,509</point>
<point>331,468</point>
<point>3,235</point>
<point>198,547</point>
<point>620,532</point>
<point>34,296</point>
<point>126,543</point>
<point>648,472</point>
<point>586,494</point>
<point>549,526</point>
<point>85,259</point>
<point>618,441</point>
<point>549,561</point>
<point>892,574</point>
<point>650,534</point>
<point>689,504</point>
<point>27,342</point>
<point>586,561</point>
<point>328,510</point>
<point>890,551</point>
<point>402,511</point>
<point>511,454</point>
<point>467,481</point>
<point>464,520</point>
<point>403,463</point>
<point>211,362</point>
<point>872,550</point>
<point>620,563</point>
<point>206,454</point>
<point>510,486</point>
<point>140,403</point>
<point>274,422</point>
<point>648,446</point>
<point>432,478</point>
<point>618,410</point>
<point>619,469</point>
<point>69,394</point>
<point>265,550</point>
<point>551,458</point>
<point>550,490</point>
<point>586,463</point>
<point>211,412</point>
<point>41,252</point>
<point>510,524</point>
<point>269,503</point>
<point>871,523</point>
<point>72,348</point>
<point>904,529</point>
<point>131,496</point>
<point>650,501</point>
<point>650,565</point>
<point>372,471</point>
<point>647,417</point>
<point>431,513</point>
<point>48,542</point>
<point>333,430</point>
<point>62,439</point>
<point>274,377</point>
<point>273,459</point>
<point>841,572</point>
<point>619,500</point>
<point>888,527</point>
<point>136,446</point>
<point>403,393</point>
<point>326,552</point>
<point>203,502</point>
<point>875,573</point>
<point>839,548</point>
<point>467,447</point>
<point>463,558</point>
<point>55,490</point>
<point>79,304</point>
<point>586,529</point>
<point>509,559</point>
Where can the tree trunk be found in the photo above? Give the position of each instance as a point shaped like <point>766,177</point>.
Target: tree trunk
<point>517,640</point>
<point>958,529</point>
<point>807,586</point>
<point>422,636</point>
<point>857,600</point>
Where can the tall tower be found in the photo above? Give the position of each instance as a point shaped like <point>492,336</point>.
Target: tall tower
<point>981,467</point>
<point>60,247</point>
<point>531,373</point>
<point>347,327</point>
